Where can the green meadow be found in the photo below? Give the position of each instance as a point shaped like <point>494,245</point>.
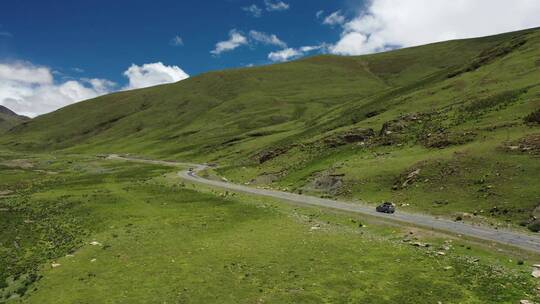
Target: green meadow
<point>450,129</point>
<point>83,230</point>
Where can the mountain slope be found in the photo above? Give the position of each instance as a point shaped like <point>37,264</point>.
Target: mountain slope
<point>219,106</point>
<point>449,128</point>
<point>9,119</point>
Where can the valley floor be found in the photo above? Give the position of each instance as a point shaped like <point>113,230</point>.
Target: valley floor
<point>78,229</point>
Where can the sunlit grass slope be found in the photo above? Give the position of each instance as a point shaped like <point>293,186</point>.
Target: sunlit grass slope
<point>460,117</point>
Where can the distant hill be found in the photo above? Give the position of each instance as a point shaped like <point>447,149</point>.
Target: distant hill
<point>9,119</point>
<point>445,127</point>
<point>308,96</point>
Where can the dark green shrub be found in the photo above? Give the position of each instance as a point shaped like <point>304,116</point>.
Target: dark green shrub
<point>534,226</point>
<point>534,117</point>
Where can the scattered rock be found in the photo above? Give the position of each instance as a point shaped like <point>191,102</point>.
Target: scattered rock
<point>536,273</point>
<point>5,193</point>
<point>95,243</point>
<point>265,178</point>
<point>93,260</point>
<point>18,163</point>
<point>525,302</point>
<point>326,182</point>
<point>529,144</point>
<point>316,227</point>
<point>267,155</point>
<point>420,244</point>
<point>440,203</point>
<point>54,265</point>
<point>445,247</point>
<point>411,177</point>
<point>357,135</point>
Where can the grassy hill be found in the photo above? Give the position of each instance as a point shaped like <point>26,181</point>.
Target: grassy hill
<point>9,119</point>
<point>449,128</point>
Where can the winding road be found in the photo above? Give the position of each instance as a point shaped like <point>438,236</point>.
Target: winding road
<point>506,237</point>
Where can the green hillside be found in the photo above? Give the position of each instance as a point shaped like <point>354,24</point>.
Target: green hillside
<point>9,119</point>
<point>447,128</point>
<point>451,129</point>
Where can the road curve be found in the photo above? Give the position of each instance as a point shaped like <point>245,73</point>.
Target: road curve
<point>506,237</point>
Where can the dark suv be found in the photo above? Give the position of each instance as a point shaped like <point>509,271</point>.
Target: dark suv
<point>386,207</point>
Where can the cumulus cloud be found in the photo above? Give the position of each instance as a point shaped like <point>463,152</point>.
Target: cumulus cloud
<point>177,41</point>
<point>269,39</point>
<point>276,6</point>
<point>30,90</point>
<point>253,10</point>
<point>151,74</point>
<point>26,73</point>
<point>235,40</point>
<point>318,14</point>
<point>284,55</point>
<point>334,18</point>
<point>391,23</point>
<point>293,53</point>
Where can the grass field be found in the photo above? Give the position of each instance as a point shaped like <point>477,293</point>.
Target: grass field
<point>77,229</point>
<point>451,129</point>
<point>461,114</point>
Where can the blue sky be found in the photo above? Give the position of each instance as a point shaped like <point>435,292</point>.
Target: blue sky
<point>54,53</point>
<point>104,38</point>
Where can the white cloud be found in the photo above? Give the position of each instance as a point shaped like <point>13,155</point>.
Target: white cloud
<point>253,10</point>
<point>30,90</point>
<point>334,19</point>
<point>284,55</point>
<point>5,34</point>
<point>319,14</point>
<point>269,39</point>
<point>293,53</point>
<point>276,6</point>
<point>177,41</point>
<point>151,74</point>
<point>25,72</point>
<point>236,39</point>
<point>390,23</point>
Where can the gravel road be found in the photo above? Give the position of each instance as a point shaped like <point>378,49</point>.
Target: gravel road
<point>506,237</point>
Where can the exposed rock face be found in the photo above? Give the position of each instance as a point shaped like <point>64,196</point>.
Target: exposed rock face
<point>529,144</point>
<point>404,122</point>
<point>445,139</point>
<point>265,178</point>
<point>349,137</point>
<point>267,155</point>
<point>536,212</point>
<point>326,182</point>
<point>406,179</point>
